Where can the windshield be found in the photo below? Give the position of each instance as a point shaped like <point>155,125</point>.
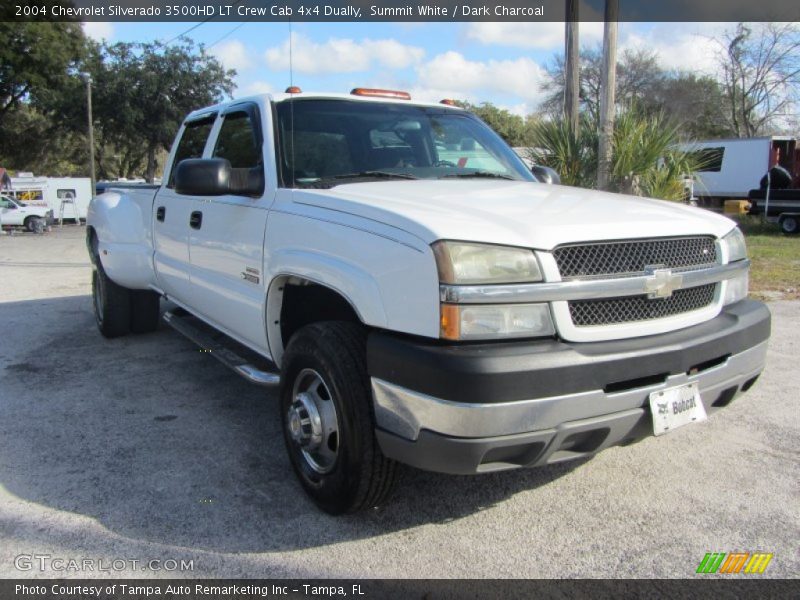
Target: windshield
<point>341,141</point>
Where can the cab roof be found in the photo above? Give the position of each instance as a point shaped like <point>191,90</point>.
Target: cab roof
<point>277,98</point>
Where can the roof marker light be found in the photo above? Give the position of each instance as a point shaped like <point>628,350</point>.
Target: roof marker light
<point>448,102</point>
<point>377,93</point>
<point>293,89</point>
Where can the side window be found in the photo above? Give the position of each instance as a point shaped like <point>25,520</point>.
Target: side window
<point>4,203</point>
<point>709,159</point>
<point>237,141</point>
<point>191,144</point>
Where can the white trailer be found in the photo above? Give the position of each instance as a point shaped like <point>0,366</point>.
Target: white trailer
<point>735,166</point>
<point>72,194</point>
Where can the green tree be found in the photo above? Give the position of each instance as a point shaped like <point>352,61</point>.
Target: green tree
<point>514,129</point>
<point>695,103</point>
<point>141,93</point>
<point>36,57</point>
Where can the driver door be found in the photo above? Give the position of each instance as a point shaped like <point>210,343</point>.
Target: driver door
<point>227,239</point>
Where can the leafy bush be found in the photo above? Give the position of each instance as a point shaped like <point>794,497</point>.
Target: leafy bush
<point>645,160</point>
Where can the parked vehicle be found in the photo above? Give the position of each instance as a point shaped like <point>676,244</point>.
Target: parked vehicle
<point>16,214</point>
<point>734,166</point>
<point>777,200</point>
<point>453,314</point>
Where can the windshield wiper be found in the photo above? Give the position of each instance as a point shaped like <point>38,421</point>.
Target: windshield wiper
<point>380,174</point>
<point>486,174</point>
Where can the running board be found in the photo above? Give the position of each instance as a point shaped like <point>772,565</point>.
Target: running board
<point>221,347</point>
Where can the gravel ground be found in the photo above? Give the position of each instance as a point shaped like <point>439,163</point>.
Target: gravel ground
<point>144,448</point>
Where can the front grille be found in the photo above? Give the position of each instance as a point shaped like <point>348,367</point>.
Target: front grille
<point>630,257</point>
<point>627,309</point>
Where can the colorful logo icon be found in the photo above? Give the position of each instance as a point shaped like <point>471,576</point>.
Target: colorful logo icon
<point>734,562</point>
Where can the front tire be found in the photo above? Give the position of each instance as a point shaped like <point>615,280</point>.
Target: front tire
<point>112,304</point>
<point>328,421</point>
<point>790,225</point>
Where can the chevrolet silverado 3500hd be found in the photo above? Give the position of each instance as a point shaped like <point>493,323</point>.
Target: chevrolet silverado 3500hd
<point>419,296</point>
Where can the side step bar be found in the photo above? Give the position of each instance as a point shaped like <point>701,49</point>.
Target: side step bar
<point>215,343</point>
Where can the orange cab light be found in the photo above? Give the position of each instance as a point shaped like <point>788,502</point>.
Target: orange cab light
<point>448,102</point>
<point>293,89</point>
<point>380,93</point>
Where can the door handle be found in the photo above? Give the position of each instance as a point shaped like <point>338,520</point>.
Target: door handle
<point>161,212</point>
<point>196,220</point>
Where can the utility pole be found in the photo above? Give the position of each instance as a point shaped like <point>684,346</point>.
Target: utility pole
<point>88,78</point>
<point>608,84</point>
<point>571,65</point>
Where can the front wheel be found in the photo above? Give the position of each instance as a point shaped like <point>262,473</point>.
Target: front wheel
<point>328,421</point>
<point>790,224</point>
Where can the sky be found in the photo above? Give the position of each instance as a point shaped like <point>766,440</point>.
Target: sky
<point>502,63</point>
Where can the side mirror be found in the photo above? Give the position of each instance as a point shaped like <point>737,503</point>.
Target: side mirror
<point>203,177</point>
<point>216,177</point>
<point>546,174</point>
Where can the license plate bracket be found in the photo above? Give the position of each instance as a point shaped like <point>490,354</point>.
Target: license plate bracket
<point>675,407</point>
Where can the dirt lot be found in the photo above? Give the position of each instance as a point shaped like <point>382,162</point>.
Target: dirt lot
<point>144,448</point>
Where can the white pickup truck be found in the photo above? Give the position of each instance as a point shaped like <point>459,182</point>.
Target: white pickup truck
<point>419,296</point>
<point>19,214</point>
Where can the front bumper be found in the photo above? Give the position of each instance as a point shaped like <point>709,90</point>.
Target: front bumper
<point>486,407</point>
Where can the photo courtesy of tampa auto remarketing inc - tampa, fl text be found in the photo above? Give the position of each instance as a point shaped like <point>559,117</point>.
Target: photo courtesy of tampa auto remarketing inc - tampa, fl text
<point>413,299</point>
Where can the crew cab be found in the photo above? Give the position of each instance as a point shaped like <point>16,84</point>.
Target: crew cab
<point>419,296</point>
<point>18,214</point>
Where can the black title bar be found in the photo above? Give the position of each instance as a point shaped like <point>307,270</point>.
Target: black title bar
<point>393,10</point>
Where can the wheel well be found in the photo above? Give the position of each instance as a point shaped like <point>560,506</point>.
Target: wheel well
<point>91,244</point>
<point>305,302</point>
<point>295,302</point>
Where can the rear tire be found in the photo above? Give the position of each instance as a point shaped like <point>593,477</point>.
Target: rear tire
<point>144,311</point>
<point>328,420</point>
<point>112,304</point>
<point>790,225</point>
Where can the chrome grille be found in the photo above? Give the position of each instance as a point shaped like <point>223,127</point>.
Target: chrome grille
<point>630,257</point>
<point>627,309</point>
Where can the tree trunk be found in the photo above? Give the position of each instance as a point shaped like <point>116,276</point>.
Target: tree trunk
<point>151,163</point>
<point>607,95</point>
<point>572,65</point>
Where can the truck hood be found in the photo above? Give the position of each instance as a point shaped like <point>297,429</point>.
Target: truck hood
<point>514,213</point>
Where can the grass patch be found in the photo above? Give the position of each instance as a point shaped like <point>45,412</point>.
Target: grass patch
<point>775,257</point>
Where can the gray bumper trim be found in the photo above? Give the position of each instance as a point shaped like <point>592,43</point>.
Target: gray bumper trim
<point>406,413</point>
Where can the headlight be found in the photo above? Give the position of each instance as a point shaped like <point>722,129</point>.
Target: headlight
<point>492,321</point>
<point>464,263</point>
<point>737,249</point>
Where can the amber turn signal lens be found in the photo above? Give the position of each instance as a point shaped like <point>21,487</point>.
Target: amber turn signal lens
<point>450,322</point>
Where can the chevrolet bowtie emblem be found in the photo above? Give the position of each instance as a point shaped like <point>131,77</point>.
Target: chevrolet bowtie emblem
<point>661,282</point>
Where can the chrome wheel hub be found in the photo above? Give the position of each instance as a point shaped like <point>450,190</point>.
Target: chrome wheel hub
<point>312,421</point>
<point>304,422</point>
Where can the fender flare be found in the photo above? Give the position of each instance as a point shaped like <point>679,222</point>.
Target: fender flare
<point>358,288</point>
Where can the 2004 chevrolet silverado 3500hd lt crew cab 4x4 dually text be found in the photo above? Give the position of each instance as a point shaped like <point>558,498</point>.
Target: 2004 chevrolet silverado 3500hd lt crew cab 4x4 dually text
<point>419,296</point>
